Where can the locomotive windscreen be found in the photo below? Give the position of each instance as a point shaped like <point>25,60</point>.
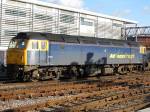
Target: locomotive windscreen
<point>17,43</point>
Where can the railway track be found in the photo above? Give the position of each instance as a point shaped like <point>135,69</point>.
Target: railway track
<point>107,94</point>
<point>14,84</point>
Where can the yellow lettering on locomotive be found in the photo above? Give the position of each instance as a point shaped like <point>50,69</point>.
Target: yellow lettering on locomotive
<point>121,56</point>
<point>112,56</point>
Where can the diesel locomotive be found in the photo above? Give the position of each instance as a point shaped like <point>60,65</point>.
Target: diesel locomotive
<point>40,56</point>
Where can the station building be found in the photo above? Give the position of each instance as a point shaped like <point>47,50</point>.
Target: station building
<point>37,16</point>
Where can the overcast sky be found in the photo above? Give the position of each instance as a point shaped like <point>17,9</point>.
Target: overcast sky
<point>137,10</point>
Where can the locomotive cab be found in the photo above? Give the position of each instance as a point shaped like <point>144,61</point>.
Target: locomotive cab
<point>16,56</point>
<point>17,51</point>
<point>26,53</point>
<point>25,50</point>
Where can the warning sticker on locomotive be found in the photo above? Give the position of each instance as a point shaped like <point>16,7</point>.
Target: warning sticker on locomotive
<point>121,56</point>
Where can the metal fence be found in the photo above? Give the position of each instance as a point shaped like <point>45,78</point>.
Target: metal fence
<point>134,32</point>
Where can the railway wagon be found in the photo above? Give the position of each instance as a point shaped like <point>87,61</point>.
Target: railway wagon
<point>39,56</point>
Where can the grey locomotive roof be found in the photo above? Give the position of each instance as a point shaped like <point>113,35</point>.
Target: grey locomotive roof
<point>71,39</point>
<point>52,5</point>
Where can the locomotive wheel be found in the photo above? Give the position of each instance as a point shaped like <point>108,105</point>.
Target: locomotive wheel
<point>122,70</point>
<point>75,75</point>
<point>35,76</point>
<point>21,76</point>
<point>26,78</point>
<point>56,76</point>
<point>34,80</point>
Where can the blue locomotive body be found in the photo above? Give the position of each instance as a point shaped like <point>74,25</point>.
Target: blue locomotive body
<point>83,54</point>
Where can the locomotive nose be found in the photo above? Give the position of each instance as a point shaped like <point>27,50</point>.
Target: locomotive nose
<point>15,57</point>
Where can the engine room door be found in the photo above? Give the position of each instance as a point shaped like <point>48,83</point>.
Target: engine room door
<point>43,54</point>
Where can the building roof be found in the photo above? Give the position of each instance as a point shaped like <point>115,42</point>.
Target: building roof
<point>41,3</point>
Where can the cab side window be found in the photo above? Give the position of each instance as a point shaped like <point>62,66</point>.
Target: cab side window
<point>43,45</point>
<point>35,45</point>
